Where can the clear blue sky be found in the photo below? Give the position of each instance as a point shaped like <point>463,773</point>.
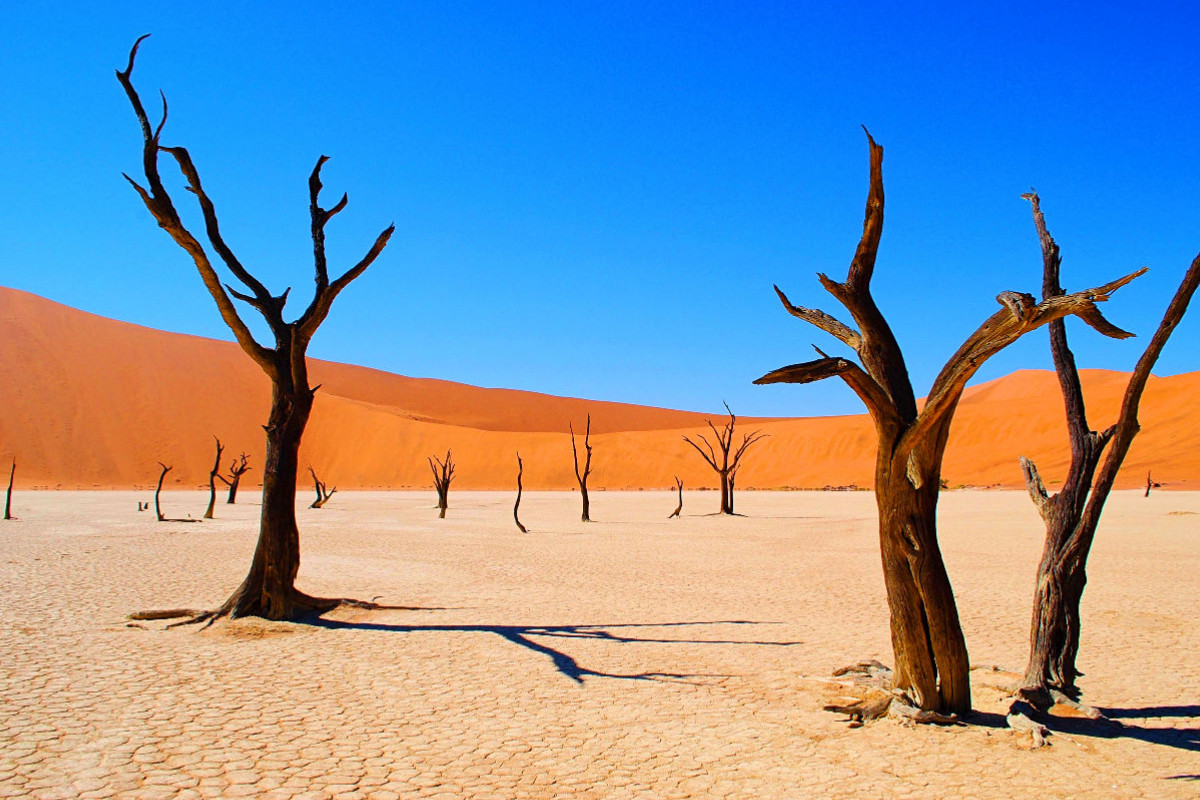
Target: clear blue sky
<point>593,199</point>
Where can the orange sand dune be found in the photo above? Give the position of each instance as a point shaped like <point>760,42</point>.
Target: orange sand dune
<point>89,402</point>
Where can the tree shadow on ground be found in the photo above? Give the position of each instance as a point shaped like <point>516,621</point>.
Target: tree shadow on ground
<point>1110,728</point>
<point>564,663</point>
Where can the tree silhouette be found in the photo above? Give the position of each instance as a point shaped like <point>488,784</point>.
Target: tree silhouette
<point>582,477</point>
<point>725,465</point>
<point>269,587</point>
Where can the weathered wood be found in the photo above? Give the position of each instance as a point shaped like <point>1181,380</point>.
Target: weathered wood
<point>517,505</point>
<point>8,495</point>
<point>213,474</point>
<point>443,473</point>
<point>679,508</point>
<point>726,465</point>
<point>581,477</point>
<point>269,587</point>
<point>930,651</point>
<point>1072,515</point>
<point>157,506</point>
<point>237,468</point>
<point>323,494</point>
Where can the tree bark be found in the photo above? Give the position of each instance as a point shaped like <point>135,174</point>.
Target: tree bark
<point>158,491</point>
<point>443,473</point>
<point>581,477</point>
<point>8,495</point>
<point>517,505</point>
<point>1072,515</point>
<point>932,668</point>
<point>212,481</point>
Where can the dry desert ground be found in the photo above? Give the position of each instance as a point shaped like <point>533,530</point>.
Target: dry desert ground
<point>633,657</point>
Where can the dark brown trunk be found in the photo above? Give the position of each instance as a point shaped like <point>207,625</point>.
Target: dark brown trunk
<point>233,488</point>
<point>930,651</point>
<point>212,481</point>
<point>724,476</point>
<point>582,477</point>
<point>679,508</point>
<point>8,496</point>
<point>517,505</point>
<point>158,491</point>
<point>269,589</point>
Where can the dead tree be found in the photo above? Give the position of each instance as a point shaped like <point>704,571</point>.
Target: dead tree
<point>213,474</point>
<point>1072,515</point>
<point>930,652</point>
<point>678,508</point>
<point>1149,484</point>
<point>269,587</point>
<point>582,477</point>
<point>8,496</point>
<point>725,465</point>
<point>158,491</point>
<point>517,505</point>
<point>443,473</point>
<point>237,469</point>
<point>322,494</point>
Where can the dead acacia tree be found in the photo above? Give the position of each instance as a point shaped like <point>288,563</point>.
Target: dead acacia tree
<point>725,465</point>
<point>931,665</point>
<point>269,587</point>
<point>517,505</point>
<point>323,494</point>
<point>237,468</point>
<point>213,474</point>
<point>678,508</point>
<point>582,477</point>
<point>158,507</point>
<point>443,473</point>
<point>8,495</point>
<point>1073,513</point>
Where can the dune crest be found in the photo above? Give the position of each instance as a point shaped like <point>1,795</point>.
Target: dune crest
<point>90,402</point>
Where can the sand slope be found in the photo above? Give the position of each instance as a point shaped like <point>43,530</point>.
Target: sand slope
<point>90,402</point>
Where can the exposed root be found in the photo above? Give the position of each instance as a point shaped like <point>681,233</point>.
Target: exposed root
<point>164,613</point>
<point>872,695</point>
<point>1020,718</point>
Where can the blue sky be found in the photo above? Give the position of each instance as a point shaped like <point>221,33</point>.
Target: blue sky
<point>593,199</point>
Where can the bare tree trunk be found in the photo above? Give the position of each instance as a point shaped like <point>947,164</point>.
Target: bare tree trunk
<point>582,477</point>
<point>443,473</point>
<point>679,508</point>
<point>237,468</point>
<point>725,465</point>
<point>1072,515</point>
<point>212,480</point>
<point>8,496</point>
<point>269,587</point>
<point>931,655</point>
<point>158,491</point>
<point>322,494</point>
<point>517,505</point>
<point>1149,483</point>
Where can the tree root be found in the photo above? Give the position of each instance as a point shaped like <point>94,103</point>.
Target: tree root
<point>872,696</point>
<point>1034,705</point>
<point>302,605</point>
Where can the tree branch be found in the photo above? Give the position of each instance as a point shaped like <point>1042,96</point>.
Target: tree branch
<point>823,321</point>
<point>997,332</point>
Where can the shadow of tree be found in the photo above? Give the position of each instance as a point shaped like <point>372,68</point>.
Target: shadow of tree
<point>520,635</point>
<point>1178,738</point>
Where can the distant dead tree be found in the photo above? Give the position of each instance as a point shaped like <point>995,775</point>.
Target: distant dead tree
<point>931,669</point>
<point>237,468</point>
<point>8,496</point>
<point>213,474</point>
<point>158,506</point>
<point>725,465</point>
<point>322,495</point>
<point>158,491</point>
<point>1072,515</point>
<point>1149,484</point>
<point>517,505</point>
<point>678,508</point>
<point>269,588</point>
<point>443,473</point>
<point>582,477</point>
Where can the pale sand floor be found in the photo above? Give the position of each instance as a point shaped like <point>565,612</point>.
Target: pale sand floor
<point>632,657</point>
